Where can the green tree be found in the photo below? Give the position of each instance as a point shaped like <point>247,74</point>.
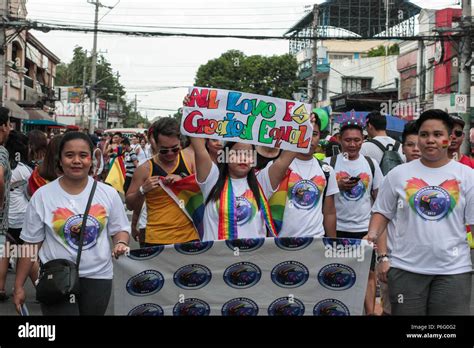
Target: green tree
<point>107,84</point>
<point>275,75</point>
<point>379,51</point>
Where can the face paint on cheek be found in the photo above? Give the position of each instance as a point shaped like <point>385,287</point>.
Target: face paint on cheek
<point>445,144</point>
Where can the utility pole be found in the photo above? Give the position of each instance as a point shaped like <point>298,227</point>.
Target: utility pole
<point>136,115</point>
<point>84,70</point>
<point>314,63</point>
<point>93,102</point>
<point>465,69</point>
<point>3,48</point>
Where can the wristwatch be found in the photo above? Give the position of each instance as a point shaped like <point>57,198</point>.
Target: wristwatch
<point>382,258</point>
<point>142,191</point>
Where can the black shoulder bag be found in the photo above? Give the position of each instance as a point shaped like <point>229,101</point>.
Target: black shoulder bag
<point>59,279</point>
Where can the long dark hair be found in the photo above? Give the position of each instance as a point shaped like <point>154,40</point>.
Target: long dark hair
<point>223,167</point>
<point>17,146</point>
<point>37,144</point>
<point>48,169</point>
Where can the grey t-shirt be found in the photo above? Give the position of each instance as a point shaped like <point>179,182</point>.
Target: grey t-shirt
<point>7,174</point>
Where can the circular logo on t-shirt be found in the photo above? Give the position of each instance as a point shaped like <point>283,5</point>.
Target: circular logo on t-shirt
<point>286,306</point>
<point>191,307</point>
<point>145,283</point>
<point>336,276</point>
<point>432,202</point>
<point>240,307</point>
<point>331,308</point>
<point>72,229</point>
<point>355,193</point>
<point>147,310</point>
<point>192,277</point>
<point>290,274</point>
<point>242,275</point>
<point>304,194</point>
<point>243,210</point>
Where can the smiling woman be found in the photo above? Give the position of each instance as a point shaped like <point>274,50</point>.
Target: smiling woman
<point>54,222</point>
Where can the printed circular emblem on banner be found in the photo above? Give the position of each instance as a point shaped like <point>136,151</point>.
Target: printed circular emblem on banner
<point>192,277</point>
<point>331,308</point>
<point>243,210</point>
<point>304,194</point>
<point>193,307</point>
<point>247,244</point>
<point>293,243</point>
<point>145,283</point>
<point>355,193</point>
<point>290,274</point>
<point>340,241</point>
<point>147,310</point>
<point>242,275</point>
<point>72,228</point>
<point>336,276</point>
<point>240,307</point>
<point>193,248</point>
<point>146,253</point>
<point>432,202</point>
<point>284,306</point>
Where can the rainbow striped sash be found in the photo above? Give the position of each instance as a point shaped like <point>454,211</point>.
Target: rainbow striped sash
<point>227,228</point>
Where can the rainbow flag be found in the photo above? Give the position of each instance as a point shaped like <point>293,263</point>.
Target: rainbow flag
<point>187,194</point>
<point>36,181</point>
<point>116,176</point>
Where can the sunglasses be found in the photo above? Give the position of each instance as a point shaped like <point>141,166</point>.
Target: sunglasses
<point>165,151</point>
<point>458,133</point>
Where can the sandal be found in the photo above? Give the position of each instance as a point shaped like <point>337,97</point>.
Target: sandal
<point>3,296</point>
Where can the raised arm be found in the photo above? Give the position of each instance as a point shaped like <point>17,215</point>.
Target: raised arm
<point>278,169</point>
<point>202,159</point>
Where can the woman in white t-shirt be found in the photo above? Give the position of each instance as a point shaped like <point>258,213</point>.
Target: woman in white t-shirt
<point>52,222</point>
<point>235,196</point>
<point>431,199</point>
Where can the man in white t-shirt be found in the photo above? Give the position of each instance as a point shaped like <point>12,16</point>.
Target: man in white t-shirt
<point>376,129</point>
<point>358,179</point>
<point>432,199</point>
<point>303,205</point>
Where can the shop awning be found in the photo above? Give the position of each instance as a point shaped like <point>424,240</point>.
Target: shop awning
<point>38,114</point>
<point>16,110</point>
<point>43,123</point>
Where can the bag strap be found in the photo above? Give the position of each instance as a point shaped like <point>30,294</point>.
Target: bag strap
<point>378,144</point>
<point>333,162</point>
<point>397,146</point>
<point>84,222</point>
<point>326,174</point>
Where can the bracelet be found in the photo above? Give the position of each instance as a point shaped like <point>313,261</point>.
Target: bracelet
<point>141,190</point>
<point>122,242</point>
<point>382,258</point>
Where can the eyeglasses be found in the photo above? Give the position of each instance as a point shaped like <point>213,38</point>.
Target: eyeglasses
<point>458,133</point>
<point>165,151</point>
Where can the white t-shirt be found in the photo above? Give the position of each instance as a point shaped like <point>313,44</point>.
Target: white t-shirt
<point>353,207</point>
<point>250,223</point>
<point>431,207</point>
<point>373,151</point>
<point>303,215</point>
<point>53,216</point>
<point>144,155</point>
<point>18,195</point>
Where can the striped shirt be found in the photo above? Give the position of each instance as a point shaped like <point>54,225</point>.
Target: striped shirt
<point>129,158</point>
<point>7,174</point>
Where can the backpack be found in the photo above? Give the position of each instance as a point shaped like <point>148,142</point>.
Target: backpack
<point>391,158</point>
<point>326,174</point>
<point>367,158</point>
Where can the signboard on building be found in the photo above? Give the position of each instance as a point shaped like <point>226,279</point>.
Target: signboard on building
<point>451,103</point>
<point>74,95</point>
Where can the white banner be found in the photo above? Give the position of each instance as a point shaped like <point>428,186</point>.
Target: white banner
<point>247,118</point>
<point>285,276</point>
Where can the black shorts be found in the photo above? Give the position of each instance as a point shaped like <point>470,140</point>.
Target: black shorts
<point>13,236</point>
<point>357,235</point>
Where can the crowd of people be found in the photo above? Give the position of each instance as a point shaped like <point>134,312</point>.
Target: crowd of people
<point>413,199</point>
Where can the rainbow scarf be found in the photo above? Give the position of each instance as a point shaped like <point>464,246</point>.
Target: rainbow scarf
<point>187,194</point>
<point>278,200</point>
<point>227,228</point>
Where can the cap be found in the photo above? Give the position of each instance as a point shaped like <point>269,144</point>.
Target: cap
<point>457,119</point>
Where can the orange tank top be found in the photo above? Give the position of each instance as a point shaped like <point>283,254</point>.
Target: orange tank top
<point>166,222</point>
